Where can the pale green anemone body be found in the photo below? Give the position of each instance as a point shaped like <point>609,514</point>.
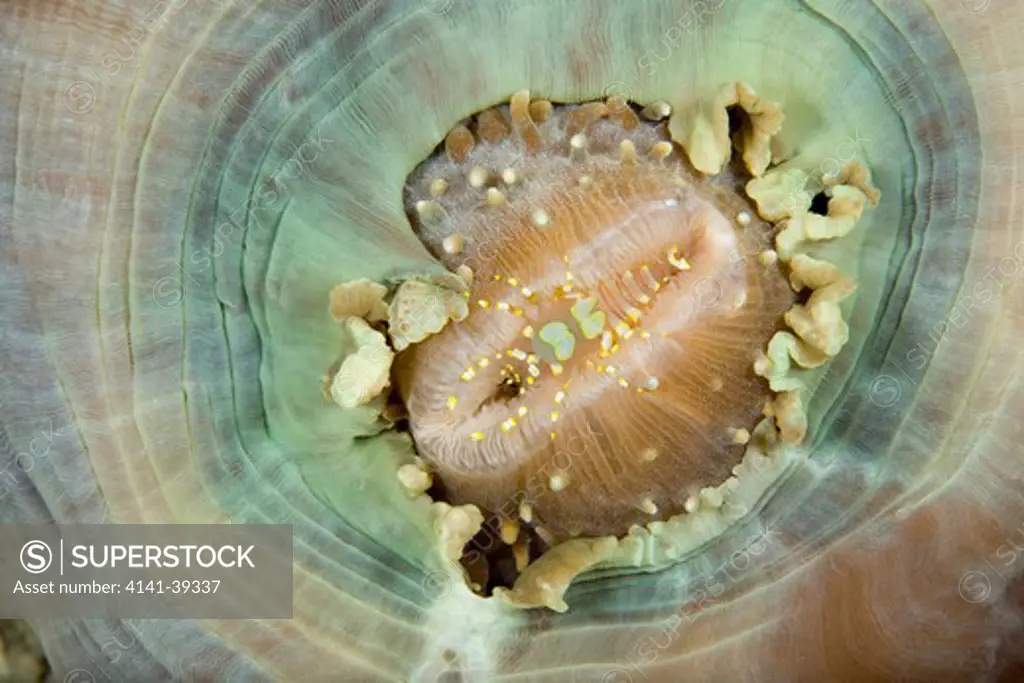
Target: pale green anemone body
<point>176,210</point>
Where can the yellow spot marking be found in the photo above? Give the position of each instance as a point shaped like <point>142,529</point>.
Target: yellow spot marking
<point>676,260</point>
<point>477,436</point>
<point>451,402</point>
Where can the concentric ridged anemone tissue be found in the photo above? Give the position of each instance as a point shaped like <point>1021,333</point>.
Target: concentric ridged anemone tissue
<point>616,341</point>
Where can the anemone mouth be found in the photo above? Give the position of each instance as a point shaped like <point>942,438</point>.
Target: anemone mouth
<point>619,300</point>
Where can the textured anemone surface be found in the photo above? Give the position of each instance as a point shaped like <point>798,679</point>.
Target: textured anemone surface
<point>186,183</point>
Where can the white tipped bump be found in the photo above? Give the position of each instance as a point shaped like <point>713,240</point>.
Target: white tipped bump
<point>466,273</point>
<point>509,176</point>
<point>477,177</point>
<point>661,150</point>
<point>495,197</point>
<point>744,218</point>
<point>541,218</point>
<point>657,111</point>
<point>453,244</point>
<point>652,383</point>
<point>691,505</point>
<point>768,257</point>
<point>648,506</point>
<point>585,182</point>
<point>740,436</point>
<point>557,482</point>
<point>438,187</point>
<point>578,147</point>
<point>627,152</point>
<point>761,365</point>
<point>525,512</point>
<point>649,455</point>
<point>429,210</point>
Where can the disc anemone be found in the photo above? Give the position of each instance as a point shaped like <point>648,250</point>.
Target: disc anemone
<point>604,374</point>
<point>217,296</point>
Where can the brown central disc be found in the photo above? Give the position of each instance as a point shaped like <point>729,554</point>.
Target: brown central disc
<point>604,373</point>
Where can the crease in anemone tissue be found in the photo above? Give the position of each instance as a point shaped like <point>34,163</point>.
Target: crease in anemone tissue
<point>608,341</point>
